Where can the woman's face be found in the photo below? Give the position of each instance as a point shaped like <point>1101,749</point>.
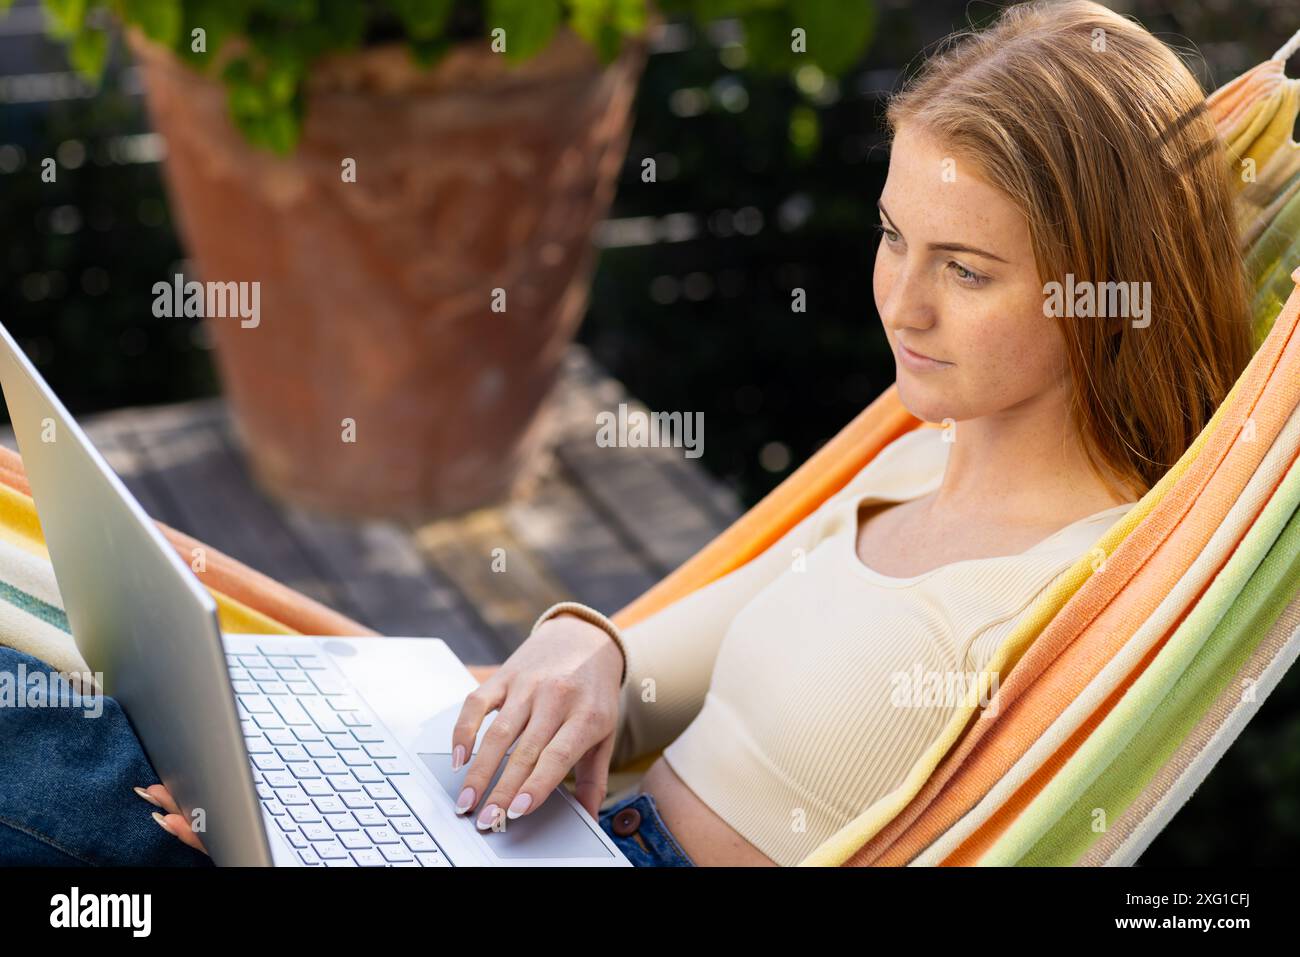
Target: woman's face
<point>956,284</point>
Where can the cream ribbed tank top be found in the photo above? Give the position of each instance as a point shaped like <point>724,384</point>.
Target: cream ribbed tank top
<point>797,691</point>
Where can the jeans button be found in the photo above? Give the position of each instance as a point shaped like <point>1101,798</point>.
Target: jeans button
<point>626,821</point>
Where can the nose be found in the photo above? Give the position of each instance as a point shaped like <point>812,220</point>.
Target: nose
<point>907,302</point>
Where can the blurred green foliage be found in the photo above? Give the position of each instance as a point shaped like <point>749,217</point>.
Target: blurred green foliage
<point>279,40</point>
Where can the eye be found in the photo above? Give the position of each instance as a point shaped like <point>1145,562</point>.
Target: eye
<point>966,277</point>
<point>891,237</point>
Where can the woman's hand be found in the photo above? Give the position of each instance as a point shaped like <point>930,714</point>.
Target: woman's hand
<point>172,821</point>
<point>560,688</point>
<point>558,694</point>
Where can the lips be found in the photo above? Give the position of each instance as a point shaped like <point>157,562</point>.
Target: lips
<point>919,361</point>
<point>920,355</point>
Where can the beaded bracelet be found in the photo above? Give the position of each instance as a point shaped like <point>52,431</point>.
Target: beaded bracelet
<point>589,614</point>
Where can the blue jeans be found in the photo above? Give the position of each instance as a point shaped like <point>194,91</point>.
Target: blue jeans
<point>635,826</point>
<point>66,774</point>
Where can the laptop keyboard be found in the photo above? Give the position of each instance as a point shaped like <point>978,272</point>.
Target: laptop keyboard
<point>323,770</point>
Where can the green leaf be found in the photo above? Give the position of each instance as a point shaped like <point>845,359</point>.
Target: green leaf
<point>245,95</point>
<point>608,42</point>
<point>281,83</point>
<point>270,40</point>
<point>247,125</point>
<point>767,40</point>
<point>265,100</point>
<point>88,53</point>
<point>65,17</point>
<point>277,131</point>
<point>219,20</point>
<point>604,23</point>
<point>281,131</point>
<point>248,100</point>
<point>706,11</point>
<point>238,70</point>
<point>300,10</point>
<point>630,16</point>
<point>342,26</point>
<point>836,33</point>
<point>838,30</point>
<point>160,20</point>
<point>423,19</point>
<point>529,25</point>
<point>586,17</point>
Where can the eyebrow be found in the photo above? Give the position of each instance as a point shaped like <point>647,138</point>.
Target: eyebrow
<point>946,247</point>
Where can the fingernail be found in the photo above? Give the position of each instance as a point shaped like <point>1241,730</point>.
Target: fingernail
<point>458,757</point>
<point>147,796</point>
<point>163,824</point>
<point>519,805</point>
<point>465,801</point>
<point>489,815</point>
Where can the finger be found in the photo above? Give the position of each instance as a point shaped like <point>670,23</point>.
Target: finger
<point>172,819</point>
<point>485,698</point>
<point>141,792</point>
<point>162,798</point>
<point>507,796</point>
<point>179,827</point>
<point>501,733</point>
<point>591,776</point>
<point>569,746</point>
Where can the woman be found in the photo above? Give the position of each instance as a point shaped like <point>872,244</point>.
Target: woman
<point>1066,145</point>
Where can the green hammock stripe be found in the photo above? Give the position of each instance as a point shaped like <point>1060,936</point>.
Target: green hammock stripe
<point>50,614</point>
<point>1233,637</point>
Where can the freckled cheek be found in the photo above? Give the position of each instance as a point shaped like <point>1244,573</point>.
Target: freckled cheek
<point>983,347</point>
<point>1014,357</point>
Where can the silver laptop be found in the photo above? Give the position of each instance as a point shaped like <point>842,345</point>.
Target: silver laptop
<point>283,750</point>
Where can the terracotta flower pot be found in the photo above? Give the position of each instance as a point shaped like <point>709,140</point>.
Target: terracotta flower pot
<point>376,295</point>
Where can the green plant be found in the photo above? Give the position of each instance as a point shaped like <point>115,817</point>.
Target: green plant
<point>278,40</point>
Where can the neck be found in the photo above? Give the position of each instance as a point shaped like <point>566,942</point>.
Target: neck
<point>1025,464</point>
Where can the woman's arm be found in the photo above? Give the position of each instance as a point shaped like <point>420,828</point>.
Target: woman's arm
<point>671,653</point>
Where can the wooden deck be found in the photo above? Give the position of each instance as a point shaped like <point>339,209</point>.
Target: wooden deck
<point>600,525</point>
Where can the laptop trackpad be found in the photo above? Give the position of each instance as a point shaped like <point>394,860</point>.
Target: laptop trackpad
<point>554,830</point>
